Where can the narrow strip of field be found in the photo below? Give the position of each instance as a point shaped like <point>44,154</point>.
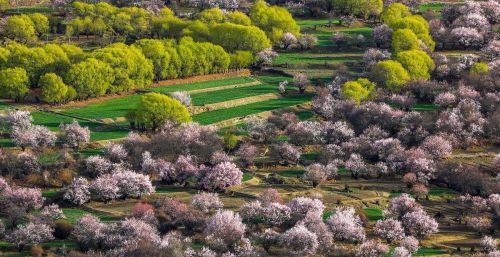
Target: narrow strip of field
<point>201,99</point>
<point>249,109</point>
<point>202,85</point>
<point>98,131</point>
<point>233,103</point>
<point>306,58</point>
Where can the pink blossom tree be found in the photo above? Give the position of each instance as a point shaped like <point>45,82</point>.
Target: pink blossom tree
<point>346,225</point>
<point>316,173</point>
<point>437,146</point>
<point>224,229</point>
<point>26,164</point>
<point>115,152</point>
<point>145,212</point>
<point>247,153</point>
<point>285,152</point>
<point>33,136</point>
<point>97,165</point>
<point>410,243</point>
<point>492,50</point>
<point>480,224</point>
<point>444,100</point>
<point>206,202</point>
<point>467,37</point>
<point>89,231</point>
<point>306,132</point>
<point>420,190</point>
<point>472,20</point>
<point>356,165</point>
<point>373,55</point>
<point>409,179</point>
<point>30,234</point>
<point>301,206</point>
<point>419,223</point>
<point>389,229</point>
<point>288,40</point>
<point>338,132</point>
<point>494,203</point>
<point>183,97</point>
<point>269,196</point>
<point>265,57</point>
<point>299,241</point>
<point>184,168</point>
<point>131,231</point>
<point>307,41</point>
<point>74,135</point>
<point>400,205</point>
<point>382,35</point>
<point>401,252</point>
<point>26,198</point>
<point>221,176</point>
<point>301,81</point>
<point>273,214</point>
<point>317,226</point>
<point>104,188</point>
<point>77,192</point>
<point>465,123</point>
<point>4,186</point>
<point>261,130</point>
<point>219,157</point>
<point>18,118</point>
<point>372,248</point>
<point>489,244</point>
<point>52,212</point>
<point>132,184</point>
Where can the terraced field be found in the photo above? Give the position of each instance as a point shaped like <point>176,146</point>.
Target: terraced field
<point>98,131</point>
<point>307,58</point>
<point>230,89</point>
<point>249,109</point>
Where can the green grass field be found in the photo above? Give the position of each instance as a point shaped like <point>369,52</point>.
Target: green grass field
<point>293,173</point>
<point>374,214</point>
<point>98,131</point>
<point>112,108</point>
<point>249,109</point>
<point>434,6</point>
<point>72,215</point>
<point>200,99</point>
<point>202,85</point>
<point>308,58</point>
<point>29,10</point>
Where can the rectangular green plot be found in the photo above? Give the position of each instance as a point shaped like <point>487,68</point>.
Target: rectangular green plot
<point>72,215</point>
<point>303,58</point>
<point>202,85</point>
<point>436,6</point>
<point>232,94</point>
<point>249,109</point>
<point>112,108</point>
<point>374,214</point>
<point>98,131</point>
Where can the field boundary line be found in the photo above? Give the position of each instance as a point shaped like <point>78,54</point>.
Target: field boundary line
<point>234,103</point>
<point>213,89</point>
<point>237,120</point>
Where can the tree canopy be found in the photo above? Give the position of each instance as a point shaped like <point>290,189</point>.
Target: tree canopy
<point>391,74</point>
<point>154,109</point>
